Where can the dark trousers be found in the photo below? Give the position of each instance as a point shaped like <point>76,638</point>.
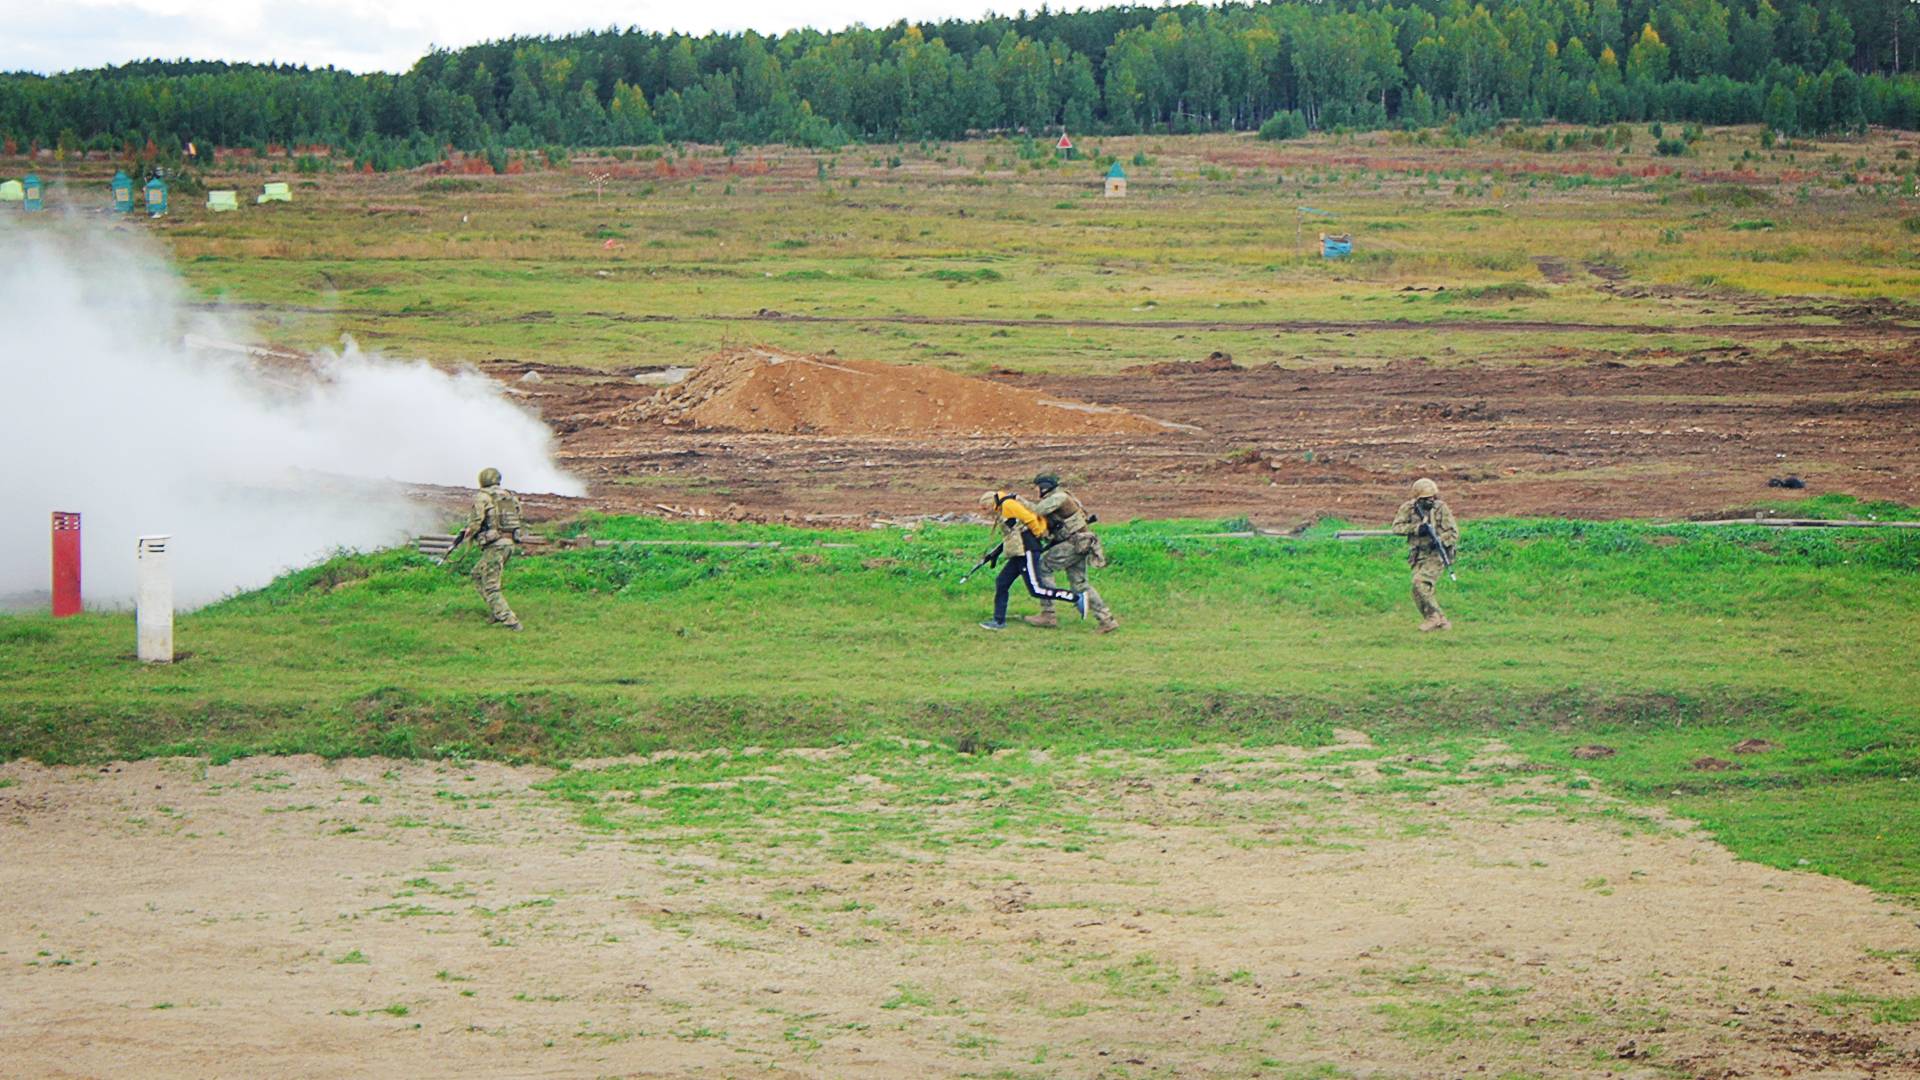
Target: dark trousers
<point>1025,568</point>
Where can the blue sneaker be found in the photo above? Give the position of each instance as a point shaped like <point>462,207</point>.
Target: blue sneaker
<point>1080,603</point>
<point>990,624</point>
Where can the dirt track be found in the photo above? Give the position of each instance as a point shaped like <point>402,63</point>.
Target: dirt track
<point>1575,435</point>
<point>289,917</point>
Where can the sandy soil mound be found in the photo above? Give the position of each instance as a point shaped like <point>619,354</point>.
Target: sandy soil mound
<point>764,390</point>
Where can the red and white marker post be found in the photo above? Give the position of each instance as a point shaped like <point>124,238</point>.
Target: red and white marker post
<point>66,564</point>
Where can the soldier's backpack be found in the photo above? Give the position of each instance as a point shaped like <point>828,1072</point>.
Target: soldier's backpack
<point>506,513</point>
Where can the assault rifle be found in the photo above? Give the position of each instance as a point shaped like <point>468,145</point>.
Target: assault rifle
<point>1446,557</point>
<point>992,556</point>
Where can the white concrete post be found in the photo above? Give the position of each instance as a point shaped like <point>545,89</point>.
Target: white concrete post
<point>153,600</point>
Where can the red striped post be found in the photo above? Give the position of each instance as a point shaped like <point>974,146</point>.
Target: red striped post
<point>66,564</point>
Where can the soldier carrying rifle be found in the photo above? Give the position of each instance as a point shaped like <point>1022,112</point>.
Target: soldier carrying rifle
<point>1432,537</point>
<point>494,527</point>
<point>1071,546</point>
<point>1020,532</point>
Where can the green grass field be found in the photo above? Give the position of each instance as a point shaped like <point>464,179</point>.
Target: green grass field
<point>810,818</point>
<point>517,267</point>
<point>1669,644</point>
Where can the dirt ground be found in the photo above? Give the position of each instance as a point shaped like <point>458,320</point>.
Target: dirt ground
<point>1596,436</point>
<point>1273,912</point>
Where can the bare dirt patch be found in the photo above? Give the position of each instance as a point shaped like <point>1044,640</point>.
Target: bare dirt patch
<point>1256,910</point>
<point>1659,434</point>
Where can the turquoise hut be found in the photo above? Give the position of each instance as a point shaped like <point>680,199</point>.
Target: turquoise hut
<point>30,193</point>
<point>122,193</point>
<point>156,197</point>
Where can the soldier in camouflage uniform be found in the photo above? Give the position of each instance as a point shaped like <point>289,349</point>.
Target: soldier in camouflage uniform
<point>1072,547</point>
<point>1423,554</point>
<point>1021,532</point>
<point>495,527</point>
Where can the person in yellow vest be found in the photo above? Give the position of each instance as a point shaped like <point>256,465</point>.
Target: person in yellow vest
<point>1020,531</point>
<point>494,526</point>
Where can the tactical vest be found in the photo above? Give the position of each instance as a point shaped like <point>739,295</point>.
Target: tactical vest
<point>1068,518</point>
<point>1420,543</point>
<point>505,515</point>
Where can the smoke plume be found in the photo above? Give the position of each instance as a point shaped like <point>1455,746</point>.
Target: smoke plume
<point>121,401</point>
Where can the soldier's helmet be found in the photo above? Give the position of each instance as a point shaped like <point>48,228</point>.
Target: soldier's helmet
<point>489,477</point>
<point>1046,481</point>
<point>1424,488</point>
<point>990,500</point>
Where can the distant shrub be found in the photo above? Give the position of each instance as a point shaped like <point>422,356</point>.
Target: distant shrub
<point>1737,196</point>
<point>1670,147</point>
<point>968,276</point>
<point>1285,124</point>
<point>451,184</point>
<point>1755,225</point>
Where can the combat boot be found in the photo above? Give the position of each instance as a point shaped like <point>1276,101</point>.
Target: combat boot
<point>1108,624</point>
<point>1046,618</point>
<point>1434,622</point>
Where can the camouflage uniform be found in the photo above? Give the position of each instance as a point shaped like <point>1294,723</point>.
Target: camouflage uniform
<point>1072,547</point>
<point>1422,554</point>
<point>494,527</point>
<point>1020,531</point>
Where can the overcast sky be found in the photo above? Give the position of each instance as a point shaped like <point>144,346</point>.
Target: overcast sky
<point>370,35</point>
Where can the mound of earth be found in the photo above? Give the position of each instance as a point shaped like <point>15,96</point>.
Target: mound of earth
<point>764,390</point>
<point>1215,361</point>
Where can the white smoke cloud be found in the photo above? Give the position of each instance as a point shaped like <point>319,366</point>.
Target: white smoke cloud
<point>121,401</point>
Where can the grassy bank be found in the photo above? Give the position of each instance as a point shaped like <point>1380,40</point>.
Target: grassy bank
<point>1667,644</point>
<point>662,267</point>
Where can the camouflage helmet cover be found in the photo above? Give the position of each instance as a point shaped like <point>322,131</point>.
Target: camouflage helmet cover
<point>489,477</point>
<point>1047,481</point>
<point>1424,488</point>
<point>990,500</point>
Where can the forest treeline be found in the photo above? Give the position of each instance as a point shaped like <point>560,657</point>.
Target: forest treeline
<point>1800,67</point>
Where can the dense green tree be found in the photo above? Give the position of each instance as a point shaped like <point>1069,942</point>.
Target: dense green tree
<point>1799,65</point>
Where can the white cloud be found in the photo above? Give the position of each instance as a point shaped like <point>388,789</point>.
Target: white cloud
<point>364,35</point>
